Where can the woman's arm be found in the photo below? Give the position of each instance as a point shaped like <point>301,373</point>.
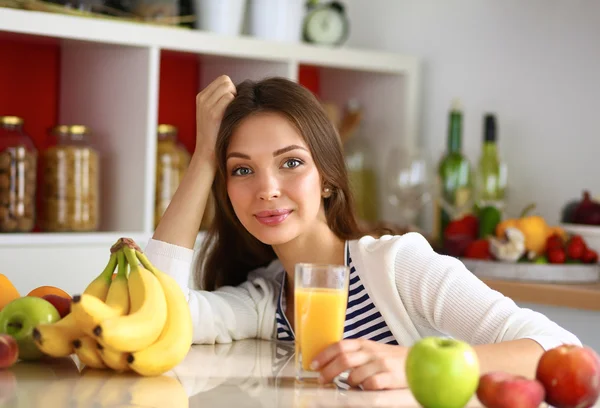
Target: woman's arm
<point>229,313</point>
<point>440,293</point>
<point>180,223</point>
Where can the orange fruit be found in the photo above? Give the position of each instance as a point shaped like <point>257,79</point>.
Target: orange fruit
<point>42,291</point>
<point>8,292</point>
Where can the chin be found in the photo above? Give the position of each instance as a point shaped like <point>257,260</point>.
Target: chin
<point>274,235</point>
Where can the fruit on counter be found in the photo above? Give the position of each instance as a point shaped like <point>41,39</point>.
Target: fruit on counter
<point>570,375</point>
<point>20,317</point>
<point>8,292</point>
<point>557,256</point>
<point>575,247</point>
<point>589,256</point>
<point>504,390</point>
<point>42,291</point>
<point>56,339</point>
<point>62,304</point>
<point>511,248</point>
<point>90,311</point>
<point>143,325</point>
<point>554,241</point>
<point>534,227</point>
<point>86,349</point>
<point>175,340</point>
<point>479,249</point>
<point>442,372</point>
<point>586,212</point>
<point>9,351</point>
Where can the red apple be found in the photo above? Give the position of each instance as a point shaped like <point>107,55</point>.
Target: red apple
<point>9,351</point>
<point>504,390</point>
<point>571,376</point>
<point>62,304</point>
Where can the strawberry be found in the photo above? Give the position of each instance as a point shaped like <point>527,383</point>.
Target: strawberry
<point>553,241</point>
<point>557,256</point>
<point>576,247</point>
<point>589,256</point>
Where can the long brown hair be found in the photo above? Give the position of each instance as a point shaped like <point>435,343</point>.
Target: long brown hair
<point>229,251</point>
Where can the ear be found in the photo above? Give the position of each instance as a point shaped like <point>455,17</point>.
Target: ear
<point>326,192</point>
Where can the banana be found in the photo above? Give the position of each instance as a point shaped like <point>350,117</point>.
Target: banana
<point>91,311</point>
<point>147,317</point>
<point>56,339</point>
<point>87,351</point>
<point>175,340</point>
<point>116,360</point>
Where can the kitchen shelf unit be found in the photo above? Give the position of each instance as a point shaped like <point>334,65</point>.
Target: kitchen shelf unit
<point>123,78</point>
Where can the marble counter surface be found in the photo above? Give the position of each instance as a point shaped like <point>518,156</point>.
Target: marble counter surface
<point>249,373</point>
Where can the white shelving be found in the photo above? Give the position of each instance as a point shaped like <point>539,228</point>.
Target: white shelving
<point>109,80</point>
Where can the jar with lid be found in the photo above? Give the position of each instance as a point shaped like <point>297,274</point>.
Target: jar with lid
<point>172,160</point>
<point>18,167</point>
<point>71,181</point>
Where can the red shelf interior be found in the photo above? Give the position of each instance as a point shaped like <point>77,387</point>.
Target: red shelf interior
<point>29,88</point>
<point>180,83</point>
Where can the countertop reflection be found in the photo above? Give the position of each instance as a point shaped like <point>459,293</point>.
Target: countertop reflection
<point>249,373</point>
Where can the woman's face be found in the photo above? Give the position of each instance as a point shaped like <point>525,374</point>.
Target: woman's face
<point>272,181</point>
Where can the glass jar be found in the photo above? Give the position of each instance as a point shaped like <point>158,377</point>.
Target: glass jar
<point>71,182</point>
<point>171,163</point>
<point>18,166</point>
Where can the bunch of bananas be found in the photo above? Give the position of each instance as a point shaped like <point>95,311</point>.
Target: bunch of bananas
<point>137,320</point>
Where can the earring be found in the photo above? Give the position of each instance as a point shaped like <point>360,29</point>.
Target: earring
<point>326,192</point>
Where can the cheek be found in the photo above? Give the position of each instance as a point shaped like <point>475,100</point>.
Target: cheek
<point>307,190</point>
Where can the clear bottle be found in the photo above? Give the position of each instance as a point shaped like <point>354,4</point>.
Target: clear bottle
<point>360,163</point>
<point>71,181</point>
<point>491,175</point>
<point>18,177</point>
<point>455,179</point>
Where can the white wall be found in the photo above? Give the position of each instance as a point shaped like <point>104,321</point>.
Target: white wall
<point>536,63</point>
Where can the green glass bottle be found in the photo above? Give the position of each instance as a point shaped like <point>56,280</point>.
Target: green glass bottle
<point>455,180</point>
<point>491,172</point>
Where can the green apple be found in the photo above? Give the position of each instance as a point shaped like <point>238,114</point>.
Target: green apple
<point>19,317</point>
<point>442,372</point>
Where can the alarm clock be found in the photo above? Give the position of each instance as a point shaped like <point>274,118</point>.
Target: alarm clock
<point>326,24</point>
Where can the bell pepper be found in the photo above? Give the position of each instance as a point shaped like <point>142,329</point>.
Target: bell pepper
<point>534,227</point>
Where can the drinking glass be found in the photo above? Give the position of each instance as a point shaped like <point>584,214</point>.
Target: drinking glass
<point>320,299</point>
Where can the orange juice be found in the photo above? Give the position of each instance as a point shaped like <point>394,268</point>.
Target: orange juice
<point>319,320</point>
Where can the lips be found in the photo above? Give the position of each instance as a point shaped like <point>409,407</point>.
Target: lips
<point>272,217</point>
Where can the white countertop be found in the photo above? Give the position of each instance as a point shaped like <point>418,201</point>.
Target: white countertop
<point>249,373</point>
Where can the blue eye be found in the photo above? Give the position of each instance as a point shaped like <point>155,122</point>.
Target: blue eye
<point>241,171</point>
<point>292,163</point>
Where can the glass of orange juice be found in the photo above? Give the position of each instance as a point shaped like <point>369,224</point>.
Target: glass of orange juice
<point>320,299</point>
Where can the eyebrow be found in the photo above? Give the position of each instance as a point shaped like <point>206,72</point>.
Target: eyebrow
<point>275,153</point>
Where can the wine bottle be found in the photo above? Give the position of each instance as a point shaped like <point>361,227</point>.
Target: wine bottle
<point>455,180</point>
<point>491,173</point>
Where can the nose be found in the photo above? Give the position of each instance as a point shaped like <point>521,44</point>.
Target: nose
<point>268,188</point>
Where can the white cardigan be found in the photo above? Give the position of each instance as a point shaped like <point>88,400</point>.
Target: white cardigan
<point>418,292</point>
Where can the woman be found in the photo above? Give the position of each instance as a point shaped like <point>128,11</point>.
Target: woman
<point>282,197</point>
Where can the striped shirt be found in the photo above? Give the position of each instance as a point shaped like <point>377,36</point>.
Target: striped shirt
<point>363,320</point>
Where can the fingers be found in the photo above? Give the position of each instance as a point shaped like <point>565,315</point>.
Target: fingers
<point>331,352</point>
<point>225,87</point>
<point>342,363</point>
<point>381,381</point>
<point>222,104</point>
<point>223,83</point>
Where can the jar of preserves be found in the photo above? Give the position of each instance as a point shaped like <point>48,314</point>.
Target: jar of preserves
<point>18,167</point>
<point>71,181</point>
